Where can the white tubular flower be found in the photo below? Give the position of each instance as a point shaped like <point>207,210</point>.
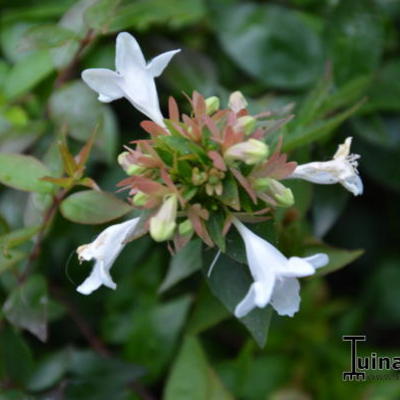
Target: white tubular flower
<point>341,169</point>
<point>104,250</point>
<point>133,79</point>
<point>275,276</point>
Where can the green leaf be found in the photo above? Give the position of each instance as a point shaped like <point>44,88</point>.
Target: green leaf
<point>207,312</point>
<point>230,281</point>
<point>338,258</point>
<point>23,172</point>
<point>271,43</point>
<point>76,107</point>
<point>17,237</point>
<point>143,14</point>
<point>47,36</point>
<point>355,38</point>
<point>215,224</point>
<point>93,207</point>
<point>95,377</point>
<point>49,371</point>
<point>191,376</point>
<point>183,264</point>
<point>27,73</point>
<point>15,355</point>
<point>26,307</point>
<point>155,333</point>
<point>302,136</point>
<point>9,259</point>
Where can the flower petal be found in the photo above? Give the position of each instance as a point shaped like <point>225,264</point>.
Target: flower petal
<point>128,54</point>
<point>94,281</point>
<point>285,298</point>
<point>318,260</point>
<point>105,82</point>
<point>157,65</point>
<point>104,250</point>
<point>296,267</point>
<point>257,296</point>
<point>353,184</point>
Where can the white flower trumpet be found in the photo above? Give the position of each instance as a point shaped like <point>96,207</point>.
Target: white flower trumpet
<point>341,169</point>
<point>275,276</point>
<point>133,79</point>
<point>104,250</point>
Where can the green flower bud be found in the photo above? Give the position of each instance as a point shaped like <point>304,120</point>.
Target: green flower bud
<point>185,228</point>
<point>124,160</point>
<point>280,193</point>
<point>262,184</point>
<point>135,169</point>
<point>247,124</point>
<point>251,152</point>
<point>163,224</point>
<point>212,105</point>
<point>285,198</point>
<point>140,199</point>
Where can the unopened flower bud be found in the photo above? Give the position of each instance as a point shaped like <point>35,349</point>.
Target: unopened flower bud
<point>140,199</point>
<point>212,105</point>
<point>135,169</point>
<point>237,101</point>
<point>124,160</point>
<point>261,184</point>
<point>198,177</point>
<point>280,193</point>
<point>185,228</point>
<point>246,124</point>
<point>285,199</point>
<point>251,152</point>
<point>163,224</point>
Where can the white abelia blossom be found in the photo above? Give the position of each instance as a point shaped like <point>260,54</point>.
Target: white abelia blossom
<point>275,276</point>
<point>104,250</point>
<point>341,169</point>
<point>133,78</point>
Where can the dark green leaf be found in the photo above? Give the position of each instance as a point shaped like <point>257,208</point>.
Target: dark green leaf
<point>93,207</point>
<point>191,376</point>
<point>26,306</point>
<point>183,264</point>
<point>271,43</point>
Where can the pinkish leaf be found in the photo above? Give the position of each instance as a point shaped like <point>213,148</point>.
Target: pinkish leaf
<point>217,160</point>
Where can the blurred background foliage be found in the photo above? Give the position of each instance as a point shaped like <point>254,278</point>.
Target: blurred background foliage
<point>164,335</point>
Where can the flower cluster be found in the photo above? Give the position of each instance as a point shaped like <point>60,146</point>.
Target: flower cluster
<point>200,174</point>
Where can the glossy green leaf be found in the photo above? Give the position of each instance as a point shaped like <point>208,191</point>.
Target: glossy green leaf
<point>24,172</point>
<point>355,38</point>
<point>27,73</point>
<point>155,334</point>
<point>143,14</point>
<point>184,263</point>
<point>26,306</point>
<point>207,312</point>
<point>191,376</point>
<point>271,43</point>
<point>93,207</point>
<point>10,258</point>
<point>16,356</point>
<point>76,107</point>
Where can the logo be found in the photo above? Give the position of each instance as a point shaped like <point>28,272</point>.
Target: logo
<point>360,365</point>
